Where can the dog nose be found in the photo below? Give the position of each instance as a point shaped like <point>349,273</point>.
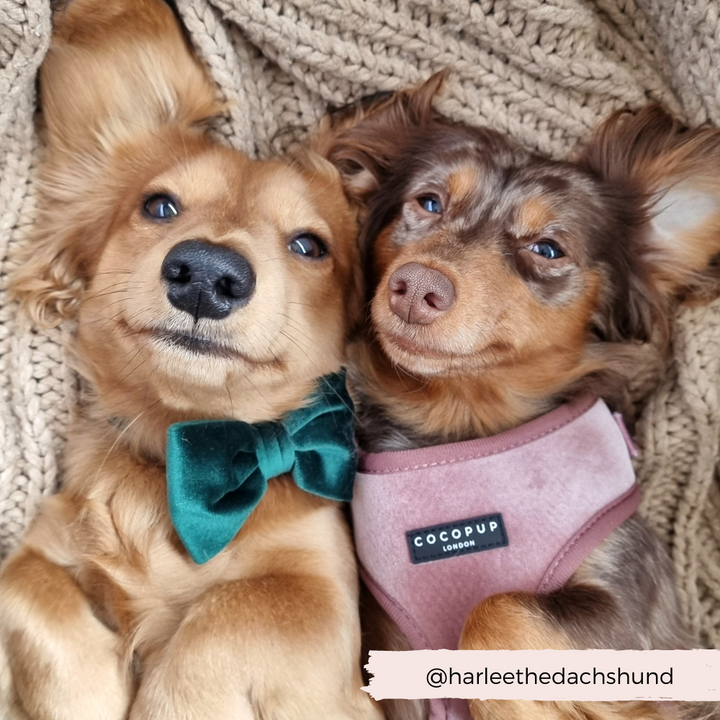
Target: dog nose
<point>206,280</point>
<point>419,295</point>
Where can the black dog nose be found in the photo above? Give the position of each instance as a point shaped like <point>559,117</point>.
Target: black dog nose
<point>206,280</point>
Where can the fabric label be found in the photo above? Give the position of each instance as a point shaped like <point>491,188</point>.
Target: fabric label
<point>460,537</point>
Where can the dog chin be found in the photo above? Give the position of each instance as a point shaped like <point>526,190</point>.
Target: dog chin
<point>416,359</point>
<point>200,361</point>
<point>184,366</point>
<point>190,346</point>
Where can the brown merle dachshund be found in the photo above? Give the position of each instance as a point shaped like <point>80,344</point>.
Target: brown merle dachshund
<point>503,284</point>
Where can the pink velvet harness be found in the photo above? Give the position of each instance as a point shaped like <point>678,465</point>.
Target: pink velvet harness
<point>439,529</point>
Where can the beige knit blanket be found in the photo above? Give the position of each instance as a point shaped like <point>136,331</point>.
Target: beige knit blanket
<point>544,72</point>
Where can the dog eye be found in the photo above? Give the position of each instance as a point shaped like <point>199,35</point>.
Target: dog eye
<point>431,204</point>
<point>161,207</point>
<point>308,245</point>
<point>547,248</point>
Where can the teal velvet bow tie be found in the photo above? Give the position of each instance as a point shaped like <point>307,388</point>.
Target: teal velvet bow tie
<point>218,470</point>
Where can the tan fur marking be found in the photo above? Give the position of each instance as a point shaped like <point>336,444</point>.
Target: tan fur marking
<point>514,621</point>
<point>534,216</point>
<point>463,182</point>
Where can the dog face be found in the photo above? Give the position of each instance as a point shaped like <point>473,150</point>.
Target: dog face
<point>205,284</point>
<point>491,258</point>
<point>212,282</point>
<point>502,279</point>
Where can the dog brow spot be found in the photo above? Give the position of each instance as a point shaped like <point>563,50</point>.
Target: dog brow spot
<point>463,182</point>
<point>533,216</point>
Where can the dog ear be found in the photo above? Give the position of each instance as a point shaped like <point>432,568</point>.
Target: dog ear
<point>674,175</point>
<point>365,139</point>
<point>49,282</point>
<point>666,179</point>
<point>118,69</point>
<point>117,75</point>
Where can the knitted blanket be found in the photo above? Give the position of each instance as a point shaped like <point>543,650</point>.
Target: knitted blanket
<point>544,72</point>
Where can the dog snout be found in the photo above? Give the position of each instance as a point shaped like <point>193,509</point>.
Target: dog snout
<point>206,280</point>
<point>419,295</point>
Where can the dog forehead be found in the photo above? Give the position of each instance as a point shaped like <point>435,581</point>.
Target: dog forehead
<point>242,191</point>
<point>539,194</point>
<point>202,178</point>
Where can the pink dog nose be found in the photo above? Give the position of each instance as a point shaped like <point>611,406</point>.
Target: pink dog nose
<point>419,295</point>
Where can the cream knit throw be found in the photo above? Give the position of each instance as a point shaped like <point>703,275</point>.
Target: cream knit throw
<point>544,72</point>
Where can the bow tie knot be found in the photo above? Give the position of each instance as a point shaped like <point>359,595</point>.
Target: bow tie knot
<point>218,470</point>
<point>275,450</point>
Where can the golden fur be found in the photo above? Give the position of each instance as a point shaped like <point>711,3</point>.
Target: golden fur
<point>103,616</point>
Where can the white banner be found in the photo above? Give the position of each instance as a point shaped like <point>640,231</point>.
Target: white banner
<point>546,674</point>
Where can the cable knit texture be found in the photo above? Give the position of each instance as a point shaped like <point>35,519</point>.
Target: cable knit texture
<point>546,72</point>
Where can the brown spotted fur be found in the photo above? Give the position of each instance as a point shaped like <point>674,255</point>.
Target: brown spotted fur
<point>526,331</point>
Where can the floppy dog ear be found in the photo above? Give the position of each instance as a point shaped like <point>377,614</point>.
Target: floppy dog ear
<point>668,179</point>
<point>117,69</point>
<point>674,174</point>
<point>116,75</point>
<point>365,139</point>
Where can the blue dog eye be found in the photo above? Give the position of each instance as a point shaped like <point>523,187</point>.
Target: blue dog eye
<point>431,204</point>
<point>547,249</point>
<point>161,207</point>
